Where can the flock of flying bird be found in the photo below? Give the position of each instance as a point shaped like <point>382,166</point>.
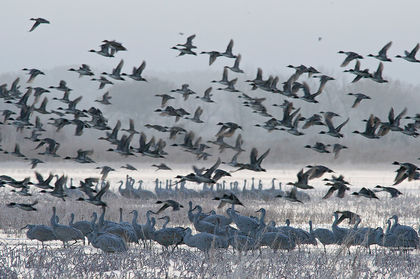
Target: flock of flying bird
<point>375,128</point>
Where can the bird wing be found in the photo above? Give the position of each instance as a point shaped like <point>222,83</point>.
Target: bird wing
<point>36,24</point>
<point>213,56</point>
<point>165,206</point>
<point>356,102</point>
<point>306,90</point>
<point>102,191</point>
<point>385,49</point>
<point>414,51</point>
<point>210,171</point>
<point>357,78</point>
<point>222,204</point>
<point>237,61</point>
<point>39,177</point>
<point>401,114</point>
<point>263,156</point>
<point>229,47</point>
<point>341,191</point>
<point>141,68</point>
<point>190,39</point>
<point>341,219</point>
<point>391,115</point>
<point>330,192</point>
<point>207,92</point>
<point>342,125</point>
<point>253,156</point>
<point>117,70</point>
<point>346,61</point>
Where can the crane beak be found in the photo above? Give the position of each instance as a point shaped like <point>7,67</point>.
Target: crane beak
<point>24,227</point>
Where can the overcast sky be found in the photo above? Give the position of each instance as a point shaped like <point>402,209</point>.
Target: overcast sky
<point>268,34</point>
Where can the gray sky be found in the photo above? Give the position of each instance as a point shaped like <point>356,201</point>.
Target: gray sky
<point>268,34</point>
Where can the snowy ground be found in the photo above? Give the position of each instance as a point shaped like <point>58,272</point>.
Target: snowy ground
<point>22,258</point>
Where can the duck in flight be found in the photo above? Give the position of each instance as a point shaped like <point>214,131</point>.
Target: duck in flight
<point>38,21</point>
<point>169,203</point>
<point>24,206</point>
<point>382,53</point>
<point>227,198</point>
<point>410,56</point>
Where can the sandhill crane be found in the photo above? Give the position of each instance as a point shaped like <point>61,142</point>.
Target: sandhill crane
<point>276,240</point>
<point>220,219</point>
<point>406,235</point>
<point>339,233</point>
<point>65,233</point>
<point>168,236</point>
<point>243,243</point>
<point>40,232</point>
<point>107,242</point>
<point>204,241</point>
<point>204,226</point>
<point>145,231</point>
<point>325,236</point>
<point>84,226</point>
<point>245,224</point>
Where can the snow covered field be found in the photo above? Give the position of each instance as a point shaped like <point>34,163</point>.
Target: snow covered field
<point>22,258</point>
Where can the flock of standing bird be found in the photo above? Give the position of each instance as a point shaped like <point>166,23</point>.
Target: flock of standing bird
<point>214,230</point>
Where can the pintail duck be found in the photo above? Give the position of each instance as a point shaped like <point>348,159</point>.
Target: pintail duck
<point>116,72</point>
<point>113,45</point>
<point>377,76</point>
<point>235,67</point>
<point>24,206</point>
<point>228,53</point>
<point>228,198</point>
<point>188,43</point>
<point>102,81</point>
<point>367,193</point>
<point>161,166</point>
<point>169,203</point>
<point>38,21</point>
<point>224,80</point>
<point>350,55</point>
<point>302,182</point>
<point>382,53</point>
<point>231,86</point>
<point>105,99</point>
<point>359,98</point>
<point>391,190</point>
<point>255,162</point>
<point>410,56</point>
<point>104,51</point>
<point>62,86</point>
<point>165,98</point>
<point>83,70</point>
<point>371,125</point>
<point>136,73</point>
<point>184,51</point>
<point>337,148</point>
<point>333,131</point>
<point>96,200</point>
<point>319,147</point>
<point>212,55</point>
<point>207,96</point>
<point>33,73</point>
